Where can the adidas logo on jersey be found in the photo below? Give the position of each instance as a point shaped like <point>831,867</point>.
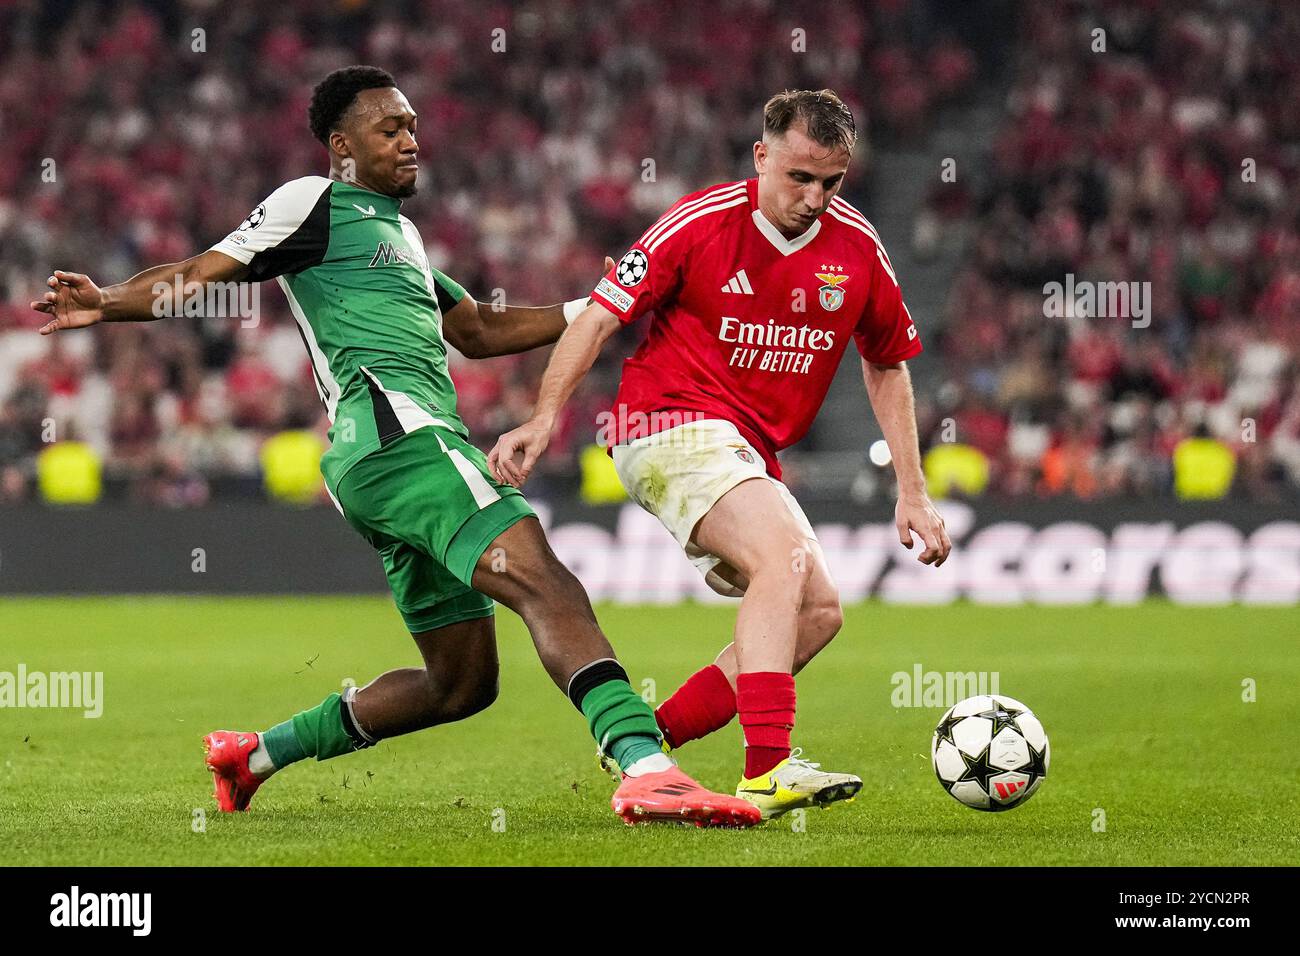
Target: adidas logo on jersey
<point>739,283</point>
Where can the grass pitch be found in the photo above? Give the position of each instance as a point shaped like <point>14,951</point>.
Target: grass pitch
<point>1151,738</point>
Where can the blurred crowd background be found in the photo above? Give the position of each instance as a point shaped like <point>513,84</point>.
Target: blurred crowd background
<point>1171,158</point>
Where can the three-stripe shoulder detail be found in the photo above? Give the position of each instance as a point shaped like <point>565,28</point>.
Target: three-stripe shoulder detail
<point>841,211</point>
<point>846,214</point>
<point>715,200</point>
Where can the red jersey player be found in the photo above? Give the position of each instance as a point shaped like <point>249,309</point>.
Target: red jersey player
<point>755,289</point>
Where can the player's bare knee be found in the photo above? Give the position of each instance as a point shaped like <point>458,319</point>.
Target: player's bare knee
<point>479,697</point>
<point>784,572</point>
<point>560,593</point>
<point>467,697</point>
<point>518,585</point>
<point>541,585</point>
<point>516,569</point>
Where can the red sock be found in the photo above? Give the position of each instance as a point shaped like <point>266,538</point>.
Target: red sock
<point>703,704</point>
<point>766,704</point>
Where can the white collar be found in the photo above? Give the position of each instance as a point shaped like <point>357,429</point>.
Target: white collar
<point>783,245</point>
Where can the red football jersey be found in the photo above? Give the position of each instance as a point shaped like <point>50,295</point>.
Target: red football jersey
<point>749,326</point>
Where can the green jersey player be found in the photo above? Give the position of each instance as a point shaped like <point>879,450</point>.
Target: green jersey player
<point>376,320</point>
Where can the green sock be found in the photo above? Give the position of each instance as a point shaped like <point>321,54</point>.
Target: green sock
<point>318,732</point>
<point>621,722</point>
<point>628,750</point>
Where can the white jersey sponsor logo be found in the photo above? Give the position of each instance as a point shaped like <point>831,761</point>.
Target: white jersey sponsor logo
<point>739,283</point>
<point>772,334</point>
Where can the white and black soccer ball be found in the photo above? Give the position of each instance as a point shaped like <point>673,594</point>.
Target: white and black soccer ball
<point>990,752</point>
<point>632,268</point>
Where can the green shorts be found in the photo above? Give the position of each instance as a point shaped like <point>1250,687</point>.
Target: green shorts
<point>428,504</point>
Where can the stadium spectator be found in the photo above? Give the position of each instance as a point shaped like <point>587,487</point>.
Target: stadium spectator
<point>539,168</point>
<point>1166,160</point>
<point>1163,161</point>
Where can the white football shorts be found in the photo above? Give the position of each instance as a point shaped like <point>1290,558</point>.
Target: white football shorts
<point>678,474</point>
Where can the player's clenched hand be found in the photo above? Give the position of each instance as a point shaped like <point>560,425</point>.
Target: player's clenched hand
<point>529,440</point>
<point>916,513</point>
<point>73,302</point>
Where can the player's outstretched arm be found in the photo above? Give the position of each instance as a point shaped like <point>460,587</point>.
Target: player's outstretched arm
<point>75,301</point>
<point>480,330</point>
<point>889,386</point>
<point>571,360</point>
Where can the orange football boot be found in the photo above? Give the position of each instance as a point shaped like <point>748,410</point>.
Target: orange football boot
<point>226,753</point>
<point>670,796</point>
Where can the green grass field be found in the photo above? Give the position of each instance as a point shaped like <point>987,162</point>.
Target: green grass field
<point>1143,707</point>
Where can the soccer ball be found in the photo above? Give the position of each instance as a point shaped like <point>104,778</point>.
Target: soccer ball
<point>990,752</point>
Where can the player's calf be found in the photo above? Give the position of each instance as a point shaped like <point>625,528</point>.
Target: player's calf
<point>820,619</point>
<point>397,702</point>
<point>532,582</point>
<point>416,698</point>
<point>707,701</point>
<point>241,762</point>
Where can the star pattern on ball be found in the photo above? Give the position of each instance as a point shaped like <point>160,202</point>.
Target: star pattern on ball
<point>978,769</point>
<point>1002,717</point>
<point>1037,766</point>
<point>1014,783</point>
<point>944,730</point>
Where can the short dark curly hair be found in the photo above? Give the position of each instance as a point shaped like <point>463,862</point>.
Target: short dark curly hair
<point>334,94</point>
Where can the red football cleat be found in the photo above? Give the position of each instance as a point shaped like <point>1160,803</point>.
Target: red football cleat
<point>670,796</point>
<point>226,753</point>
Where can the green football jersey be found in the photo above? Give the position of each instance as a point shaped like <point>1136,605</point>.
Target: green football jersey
<point>367,304</point>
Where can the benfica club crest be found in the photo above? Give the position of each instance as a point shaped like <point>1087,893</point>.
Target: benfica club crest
<point>830,294</point>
